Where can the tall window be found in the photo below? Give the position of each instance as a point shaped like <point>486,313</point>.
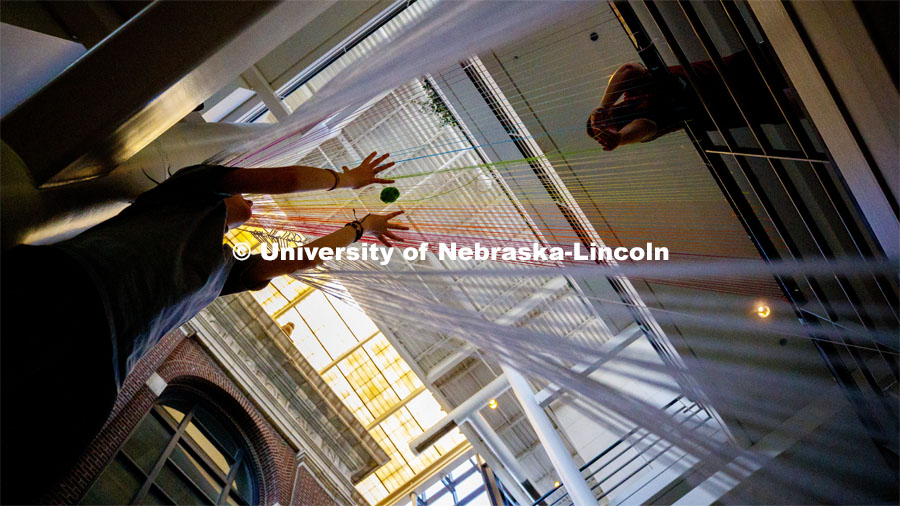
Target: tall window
<point>183,452</point>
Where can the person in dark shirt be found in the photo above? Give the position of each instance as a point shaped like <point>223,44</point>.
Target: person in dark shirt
<point>641,105</point>
<point>78,315</point>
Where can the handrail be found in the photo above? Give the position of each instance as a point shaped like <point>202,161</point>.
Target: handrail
<point>610,448</point>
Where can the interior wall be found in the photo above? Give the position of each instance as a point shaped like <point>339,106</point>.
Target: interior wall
<point>557,77</point>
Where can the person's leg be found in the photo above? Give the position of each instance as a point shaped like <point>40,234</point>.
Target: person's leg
<point>56,377</point>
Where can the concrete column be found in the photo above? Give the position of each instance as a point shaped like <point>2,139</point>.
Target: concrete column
<point>498,447</point>
<point>562,461</point>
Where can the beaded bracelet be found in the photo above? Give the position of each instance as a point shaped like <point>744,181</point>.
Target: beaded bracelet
<point>357,226</point>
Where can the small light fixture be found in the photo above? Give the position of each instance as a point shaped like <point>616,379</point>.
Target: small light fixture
<point>492,403</point>
<point>763,311</point>
<point>556,484</point>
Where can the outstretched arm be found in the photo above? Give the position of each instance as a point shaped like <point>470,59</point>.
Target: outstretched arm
<point>376,225</point>
<point>299,178</point>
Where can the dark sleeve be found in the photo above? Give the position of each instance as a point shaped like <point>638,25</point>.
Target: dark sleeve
<point>667,121</point>
<point>197,179</point>
<point>668,109</point>
<point>235,282</point>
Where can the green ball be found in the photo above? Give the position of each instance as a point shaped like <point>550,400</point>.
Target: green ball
<point>389,194</point>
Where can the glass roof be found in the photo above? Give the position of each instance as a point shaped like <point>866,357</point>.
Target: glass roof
<point>364,370</point>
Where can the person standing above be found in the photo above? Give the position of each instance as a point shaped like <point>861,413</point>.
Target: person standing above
<point>641,105</point>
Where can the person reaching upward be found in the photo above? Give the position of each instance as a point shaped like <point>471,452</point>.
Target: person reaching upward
<point>116,289</point>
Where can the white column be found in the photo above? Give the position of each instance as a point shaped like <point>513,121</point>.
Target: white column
<point>562,461</point>
<point>498,447</point>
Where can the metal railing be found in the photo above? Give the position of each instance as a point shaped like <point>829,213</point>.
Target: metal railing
<point>631,454</point>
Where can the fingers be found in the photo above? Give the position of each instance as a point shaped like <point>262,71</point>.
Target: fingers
<point>397,227</point>
<point>392,235</point>
<point>605,137</point>
<point>393,214</point>
<point>385,241</point>
<point>383,167</point>
<point>381,158</point>
<point>344,168</point>
<point>369,158</point>
<point>382,181</point>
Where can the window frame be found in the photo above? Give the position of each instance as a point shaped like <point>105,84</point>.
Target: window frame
<point>177,436</point>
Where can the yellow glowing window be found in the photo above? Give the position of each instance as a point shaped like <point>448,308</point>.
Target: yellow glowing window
<point>365,371</point>
<point>324,321</point>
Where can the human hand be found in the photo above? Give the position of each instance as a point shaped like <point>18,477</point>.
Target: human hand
<point>365,174</point>
<point>378,225</point>
<point>597,120</point>
<point>601,115</point>
<point>608,138</point>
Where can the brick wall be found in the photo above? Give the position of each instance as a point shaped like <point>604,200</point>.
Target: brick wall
<point>180,360</point>
<point>307,491</point>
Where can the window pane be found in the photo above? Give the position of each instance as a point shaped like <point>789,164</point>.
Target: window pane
<point>179,489</point>
<point>480,500</point>
<point>156,496</point>
<point>194,470</point>
<point>469,485</point>
<point>243,481</point>
<point>215,455</point>
<point>174,413</point>
<point>213,439</point>
<point>355,318</point>
<point>326,324</point>
<point>304,340</point>
<point>117,485</point>
<point>147,443</point>
<point>444,500</point>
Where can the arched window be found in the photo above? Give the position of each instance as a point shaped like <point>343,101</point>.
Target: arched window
<point>183,452</point>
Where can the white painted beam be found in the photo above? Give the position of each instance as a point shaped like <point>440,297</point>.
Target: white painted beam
<point>260,85</point>
<point>514,314</point>
<point>498,447</point>
<point>449,362</point>
<point>465,410</point>
<point>612,347</point>
<point>532,301</point>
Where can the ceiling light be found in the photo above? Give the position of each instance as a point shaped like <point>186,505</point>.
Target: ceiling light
<point>763,311</point>
<point>492,403</point>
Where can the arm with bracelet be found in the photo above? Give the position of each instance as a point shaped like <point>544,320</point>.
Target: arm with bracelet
<point>302,178</point>
<point>377,225</point>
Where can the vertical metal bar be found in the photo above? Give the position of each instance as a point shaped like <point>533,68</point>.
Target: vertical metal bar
<point>495,496</point>
<point>238,459</point>
<point>553,444</point>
